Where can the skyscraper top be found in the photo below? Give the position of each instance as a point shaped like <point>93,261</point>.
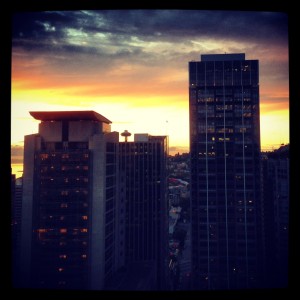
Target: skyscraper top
<point>69,116</point>
<point>222,57</point>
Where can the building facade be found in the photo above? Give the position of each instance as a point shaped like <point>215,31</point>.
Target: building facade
<point>143,189</point>
<point>225,172</point>
<point>70,237</point>
<point>276,195</point>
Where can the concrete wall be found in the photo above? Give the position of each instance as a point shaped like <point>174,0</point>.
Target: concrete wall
<point>97,211</point>
<point>82,130</point>
<point>30,144</point>
<point>51,131</point>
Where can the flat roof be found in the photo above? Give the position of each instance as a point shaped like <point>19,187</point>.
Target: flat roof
<point>69,116</point>
<point>223,57</point>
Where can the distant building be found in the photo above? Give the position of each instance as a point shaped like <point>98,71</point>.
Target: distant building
<point>276,193</point>
<point>225,172</point>
<point>71,238</point>
<point>143,189</point>
<point>16,210</point>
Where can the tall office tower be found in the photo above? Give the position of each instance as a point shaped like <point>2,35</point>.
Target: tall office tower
<point>70,235</point>
<point>276,217</point>
<point>225,172</point>
<point>143,182</point>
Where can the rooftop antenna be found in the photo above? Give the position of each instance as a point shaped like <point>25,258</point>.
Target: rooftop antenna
<point>126,134</point>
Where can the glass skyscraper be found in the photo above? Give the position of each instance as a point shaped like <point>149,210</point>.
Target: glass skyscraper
<point>227,248</point>
<point>143,188</point>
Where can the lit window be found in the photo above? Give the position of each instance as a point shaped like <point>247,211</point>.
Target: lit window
<point>83,230</point>
<point>66,180</point>
<point>63,230</point>
<point>60,269</point>
<point>62,218</point>
<point>63,256</point>
<point>84,217</point>
<point>83,255</point>
<point>44,156</point>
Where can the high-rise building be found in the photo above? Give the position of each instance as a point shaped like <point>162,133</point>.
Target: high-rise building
<point>225,172</point>
<point>70,232</point>
<point>276,195</point>
<point>144,192</point>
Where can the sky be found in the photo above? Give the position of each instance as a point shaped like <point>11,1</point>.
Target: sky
<point>131,66</point>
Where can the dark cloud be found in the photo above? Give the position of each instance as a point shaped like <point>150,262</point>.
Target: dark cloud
<point>148,25</point>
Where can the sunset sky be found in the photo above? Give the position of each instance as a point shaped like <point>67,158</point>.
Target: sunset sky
<point>131,66</point>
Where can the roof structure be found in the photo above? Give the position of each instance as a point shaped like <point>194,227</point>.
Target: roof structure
<point>69,116</point>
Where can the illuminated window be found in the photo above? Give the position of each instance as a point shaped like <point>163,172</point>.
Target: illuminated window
<point>63,256</point>
<point>63,230</point>
<point>62,218</point>
<point>60,269</point>
<point>83,256</point>
<point>44,156</point>
<point>85,168</point>
<point>66,180</point>
<point>83,230</point>
<point>65,155</point>
<point>84,217</point>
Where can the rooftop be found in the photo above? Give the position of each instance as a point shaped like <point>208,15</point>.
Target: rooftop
<point>69,116</point>
<point>223,57</point>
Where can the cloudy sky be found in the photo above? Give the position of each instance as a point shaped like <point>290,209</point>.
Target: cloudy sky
<point>132,67</point>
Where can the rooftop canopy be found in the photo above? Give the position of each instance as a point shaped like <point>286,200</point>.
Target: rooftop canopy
<point>69,116</point>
